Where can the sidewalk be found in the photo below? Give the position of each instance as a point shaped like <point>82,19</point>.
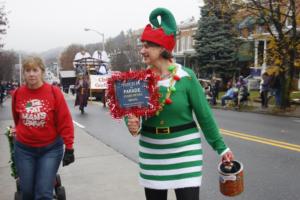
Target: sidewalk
<point>255,107</point>
<point>99,172</point>
<point>293,111</point>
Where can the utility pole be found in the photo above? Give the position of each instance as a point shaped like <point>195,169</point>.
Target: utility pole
<point>99,33</point>
<point>20,68</point>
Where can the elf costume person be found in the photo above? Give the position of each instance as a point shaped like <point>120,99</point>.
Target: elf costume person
<point>170,150</point>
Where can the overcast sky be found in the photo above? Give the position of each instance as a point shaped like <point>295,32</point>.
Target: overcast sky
<point>39,25</point>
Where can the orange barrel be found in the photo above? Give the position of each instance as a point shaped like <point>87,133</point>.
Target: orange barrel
<point>231,178</point>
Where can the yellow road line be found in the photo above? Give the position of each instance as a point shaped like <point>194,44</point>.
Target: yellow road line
<point>262,140</point>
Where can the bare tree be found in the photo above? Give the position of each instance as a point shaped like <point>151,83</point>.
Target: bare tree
<point>124,51</point>
<point>3,22</point>
<point>67,56</point>
<point>8,59</point>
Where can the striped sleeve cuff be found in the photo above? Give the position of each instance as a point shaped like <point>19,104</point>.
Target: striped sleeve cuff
<point>225,151</point>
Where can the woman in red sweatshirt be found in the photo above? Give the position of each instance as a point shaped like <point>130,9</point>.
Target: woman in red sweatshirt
<point>43,125</point>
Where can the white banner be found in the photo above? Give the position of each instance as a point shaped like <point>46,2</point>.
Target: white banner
<point>99,81</point>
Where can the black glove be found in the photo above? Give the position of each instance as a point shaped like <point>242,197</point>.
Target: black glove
<point>68,157</point>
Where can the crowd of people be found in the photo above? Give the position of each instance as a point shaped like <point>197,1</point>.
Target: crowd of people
<point>270,86</point>
<point>6,88</point>
<point>237,93</point>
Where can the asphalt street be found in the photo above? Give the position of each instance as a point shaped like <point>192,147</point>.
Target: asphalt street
<point>268,146</point>
<point>271,171</point>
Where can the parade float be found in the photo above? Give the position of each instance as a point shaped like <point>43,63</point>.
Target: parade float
<point>96,69</point>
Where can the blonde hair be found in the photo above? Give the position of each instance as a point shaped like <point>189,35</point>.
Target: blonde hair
<point>33,61</point>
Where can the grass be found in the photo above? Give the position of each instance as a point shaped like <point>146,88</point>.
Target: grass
<point>254,101</point>
<point>295,95</point>
<point>255,96</point>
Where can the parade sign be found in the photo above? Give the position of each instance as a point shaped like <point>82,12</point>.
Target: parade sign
<point>99,82</point>
<point>133,92</point>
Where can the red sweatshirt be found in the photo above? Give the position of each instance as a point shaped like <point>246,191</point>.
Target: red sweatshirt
<point>40,115</point>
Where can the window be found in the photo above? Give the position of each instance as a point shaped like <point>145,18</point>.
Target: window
<point>190,42</point>
<point>182,43</point>
<point>177,45</point>
<point>260,52</point>
<point>185,43</point>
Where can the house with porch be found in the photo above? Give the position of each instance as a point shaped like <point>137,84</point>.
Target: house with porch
<point>253,30</point>
<point>184,52</point>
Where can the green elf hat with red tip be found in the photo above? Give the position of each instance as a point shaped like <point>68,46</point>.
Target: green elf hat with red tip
<point>163,34</point>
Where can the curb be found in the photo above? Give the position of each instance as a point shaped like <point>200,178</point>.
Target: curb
<point>264,112</point>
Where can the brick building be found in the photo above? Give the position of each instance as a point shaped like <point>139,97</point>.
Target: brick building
<point>184,51</point>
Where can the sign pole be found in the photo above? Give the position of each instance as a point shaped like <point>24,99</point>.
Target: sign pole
<point>20,68</point>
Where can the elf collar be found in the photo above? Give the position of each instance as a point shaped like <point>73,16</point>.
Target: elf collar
<point>180,72</point>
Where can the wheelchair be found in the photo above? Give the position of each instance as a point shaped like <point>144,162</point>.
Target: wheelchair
<point>59,192</point>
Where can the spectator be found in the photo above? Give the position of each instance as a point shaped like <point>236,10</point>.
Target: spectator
<point>275,87</point>
<point>2,91</point>
<point>240,82</point>
<point>215,85</point>
<point>207,90</point>
<point>264,89</point>
<point>242,93</point>
<point>231,94</point>
<point>229,84</point>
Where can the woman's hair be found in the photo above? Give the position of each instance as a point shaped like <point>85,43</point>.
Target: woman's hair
<point>165,53</point>
<point>33,61</point>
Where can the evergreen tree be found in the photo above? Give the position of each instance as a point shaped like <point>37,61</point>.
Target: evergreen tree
<point>216,41</point>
